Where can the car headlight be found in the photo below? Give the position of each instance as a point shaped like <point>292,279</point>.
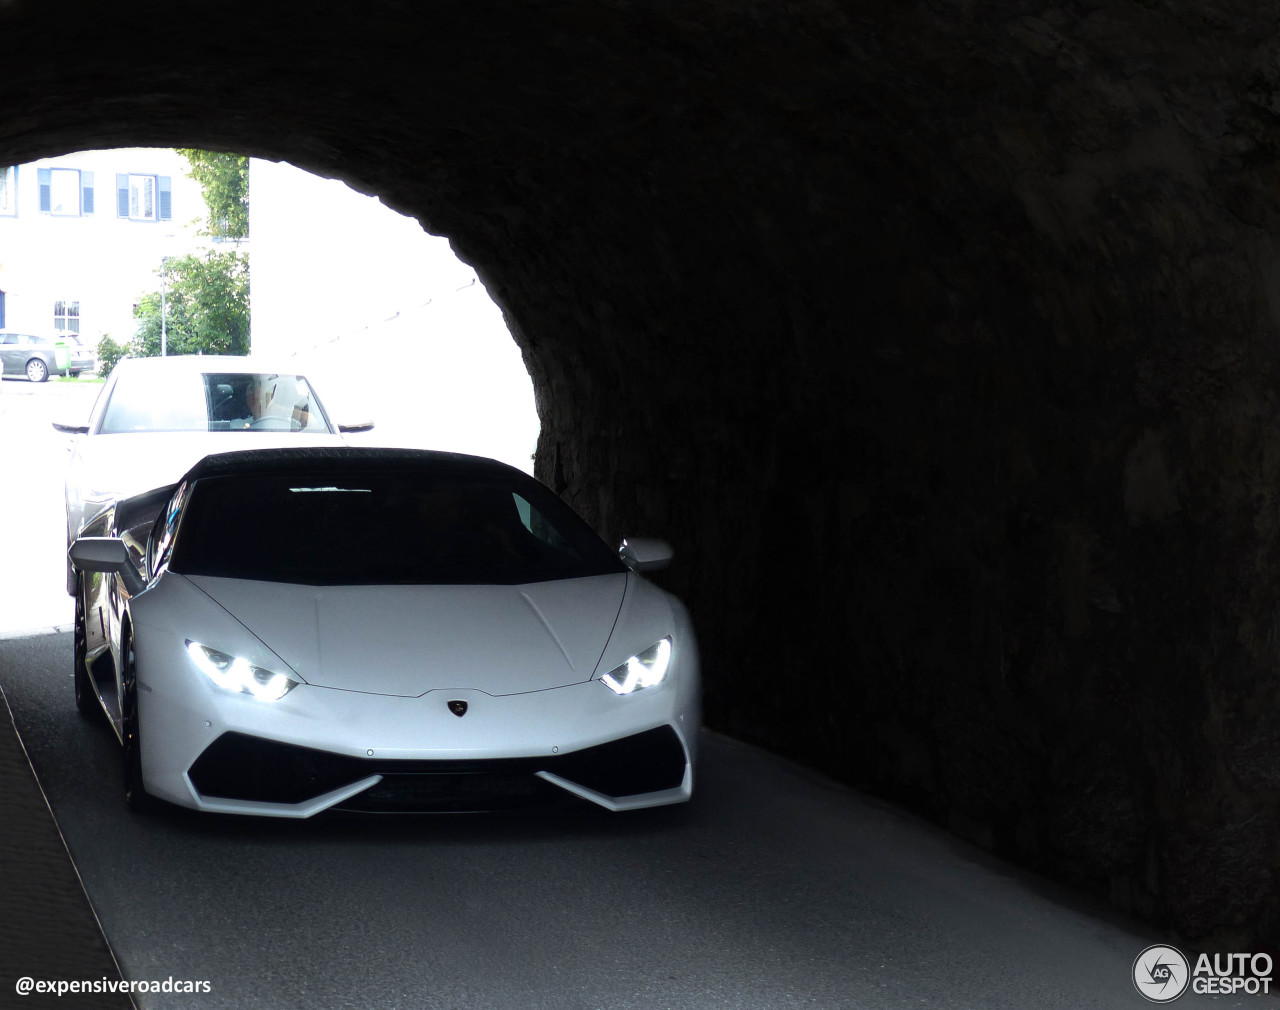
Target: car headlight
<point>644,669</point>
<point>236,674</point>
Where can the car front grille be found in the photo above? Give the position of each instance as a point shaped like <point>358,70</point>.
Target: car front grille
<point>400,792</point>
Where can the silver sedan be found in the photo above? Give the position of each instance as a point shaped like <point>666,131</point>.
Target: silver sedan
<point>39,357</point>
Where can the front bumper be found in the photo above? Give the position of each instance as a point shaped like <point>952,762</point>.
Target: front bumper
<point>320,748</point>
<point>237,768</point>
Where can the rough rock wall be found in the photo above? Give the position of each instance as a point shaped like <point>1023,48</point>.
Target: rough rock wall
<point>939,337</point>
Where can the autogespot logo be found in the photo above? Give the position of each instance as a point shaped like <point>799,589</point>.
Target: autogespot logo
<point>1161,973</point>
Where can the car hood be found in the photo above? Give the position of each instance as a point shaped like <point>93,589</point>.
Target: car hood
<point>407,640</point>
<point>109,467</point>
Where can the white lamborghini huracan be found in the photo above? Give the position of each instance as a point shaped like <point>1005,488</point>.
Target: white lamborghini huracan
<point>284,632</point>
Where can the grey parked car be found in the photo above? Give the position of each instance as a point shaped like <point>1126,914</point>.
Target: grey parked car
<point>37,357</point>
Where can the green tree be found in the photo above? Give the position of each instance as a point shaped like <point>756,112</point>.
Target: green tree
<point>224,181</point>
<point>207,307</point>
<point>109,352</point>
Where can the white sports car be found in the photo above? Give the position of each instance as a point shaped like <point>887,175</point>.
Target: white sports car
<point>287,631</point>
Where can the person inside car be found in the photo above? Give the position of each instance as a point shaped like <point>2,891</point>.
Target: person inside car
<point>262,396</point>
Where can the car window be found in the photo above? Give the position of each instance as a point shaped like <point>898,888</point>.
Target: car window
<point>261,402</point>
<point>539,526</point>
<point>166,526</point>
<point>140,403</point>
<point>100,404</point>
<point>385,528</point>
<point>146,400</point>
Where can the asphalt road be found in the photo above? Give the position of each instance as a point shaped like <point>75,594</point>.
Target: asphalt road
<point>773,889</point>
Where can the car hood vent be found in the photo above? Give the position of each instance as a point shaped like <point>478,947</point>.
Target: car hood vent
<point>407,640</point>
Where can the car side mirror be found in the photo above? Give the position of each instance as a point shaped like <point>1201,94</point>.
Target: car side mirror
<point>358,426</point>
<point>645,554</point>
<point>106,554</point>
<point>71,429</point>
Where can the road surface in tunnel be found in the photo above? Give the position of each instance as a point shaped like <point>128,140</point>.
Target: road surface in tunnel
<point>774,888</point>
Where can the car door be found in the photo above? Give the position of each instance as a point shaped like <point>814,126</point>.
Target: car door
<point>9,353</point>
<point>37,347</point>
<point>28,348</point>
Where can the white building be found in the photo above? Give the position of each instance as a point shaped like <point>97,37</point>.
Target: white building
<point>82,236</point>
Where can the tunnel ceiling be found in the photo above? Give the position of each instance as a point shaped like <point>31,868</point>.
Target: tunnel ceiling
<point>940,338</point>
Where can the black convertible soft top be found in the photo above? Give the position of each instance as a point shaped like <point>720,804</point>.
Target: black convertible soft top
<point>361,516</point>
<point>349,459</point>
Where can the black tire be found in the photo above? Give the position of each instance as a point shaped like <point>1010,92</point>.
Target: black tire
<point>75,374</point>
<point>86,698</point>
<point>135,791</point>
<point>37,370</point>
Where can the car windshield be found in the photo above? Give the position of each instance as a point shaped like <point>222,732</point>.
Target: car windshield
<point>212,401</point>
<point>385,528</point>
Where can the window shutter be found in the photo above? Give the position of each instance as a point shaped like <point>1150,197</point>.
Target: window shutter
<point>166,199</point>
<point>122,196</point>
<point>45,179</point>
<point>86,192</point>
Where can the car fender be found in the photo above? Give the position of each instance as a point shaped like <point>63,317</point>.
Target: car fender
<point>175,607</point>
<point>647,615</point>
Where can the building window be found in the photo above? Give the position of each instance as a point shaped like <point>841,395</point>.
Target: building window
<point>143,197</point>
<point>9,190</point>
<point>65,192</point>
<point>66,317</point>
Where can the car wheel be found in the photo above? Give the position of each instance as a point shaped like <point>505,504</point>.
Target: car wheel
<point>75,374</point>
<point>37,370</point>
<point>135,792</point>
<point>86,699</point>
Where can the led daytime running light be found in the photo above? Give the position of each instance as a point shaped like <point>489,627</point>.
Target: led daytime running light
<point>238,675</point>
<point>645,669</point>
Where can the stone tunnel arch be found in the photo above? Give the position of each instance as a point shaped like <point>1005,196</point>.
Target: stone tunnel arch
<point>940,338</point>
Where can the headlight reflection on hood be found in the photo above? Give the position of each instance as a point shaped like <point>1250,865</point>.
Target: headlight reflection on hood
<point>644,669</point>
<point>233,673</point>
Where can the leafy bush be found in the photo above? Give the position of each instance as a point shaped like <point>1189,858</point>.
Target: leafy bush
<point>109,352</point>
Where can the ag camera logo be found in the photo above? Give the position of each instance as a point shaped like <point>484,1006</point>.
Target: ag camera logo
<point>1161,973</point>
